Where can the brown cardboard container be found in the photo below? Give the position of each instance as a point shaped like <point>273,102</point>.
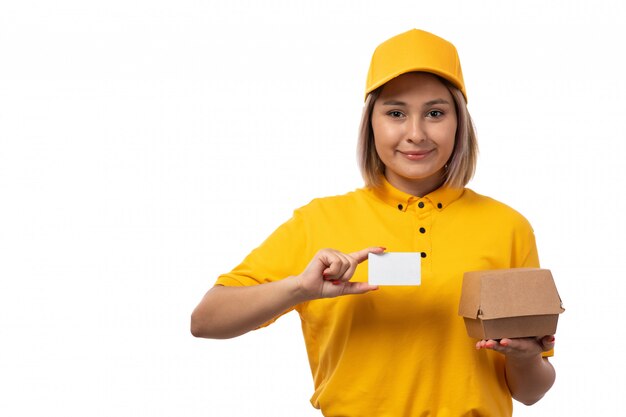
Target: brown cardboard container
<point>521,302</point>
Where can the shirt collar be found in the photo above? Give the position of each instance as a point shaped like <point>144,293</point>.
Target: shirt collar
<point>439,199</point>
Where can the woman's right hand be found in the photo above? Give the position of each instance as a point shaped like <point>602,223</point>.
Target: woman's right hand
<point>226,312</point>
<point>329,272</point>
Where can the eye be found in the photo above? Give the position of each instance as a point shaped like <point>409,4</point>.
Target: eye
<point>395,114</point>
<point>435,113</point>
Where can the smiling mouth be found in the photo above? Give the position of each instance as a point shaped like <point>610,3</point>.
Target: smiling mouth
<point>416,155</point>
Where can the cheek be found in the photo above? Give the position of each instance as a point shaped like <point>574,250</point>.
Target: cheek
<point>380,149</point>
<point>448,139</point>
<point>378,136</point>
<point>383,135</point>
<point>384,148</point>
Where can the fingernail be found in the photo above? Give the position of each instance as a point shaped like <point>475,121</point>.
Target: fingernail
<point>336,282</point>
<point>552,339</point>
<point>383,248</point>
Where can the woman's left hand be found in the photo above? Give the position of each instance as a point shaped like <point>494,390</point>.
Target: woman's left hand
<point>520,348</point>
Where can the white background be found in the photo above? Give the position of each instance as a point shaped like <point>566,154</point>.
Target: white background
<point>148,146</point>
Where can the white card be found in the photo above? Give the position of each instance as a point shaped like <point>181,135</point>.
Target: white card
<point>395,268</point>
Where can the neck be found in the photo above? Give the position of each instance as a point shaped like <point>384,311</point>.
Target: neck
<point>417,187</point>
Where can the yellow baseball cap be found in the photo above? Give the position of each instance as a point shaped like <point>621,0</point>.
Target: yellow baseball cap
<point>415,50</point>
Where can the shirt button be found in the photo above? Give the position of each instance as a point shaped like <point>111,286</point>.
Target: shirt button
<point>422,230</point>
<point>439,205</point>
<point>423,254</point>
<point>420,204</point>
<point>399,206</point>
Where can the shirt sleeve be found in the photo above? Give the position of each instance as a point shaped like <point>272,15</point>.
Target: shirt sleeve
<point>525,247</point>
<point>528,256</point>
<point>284,253</point>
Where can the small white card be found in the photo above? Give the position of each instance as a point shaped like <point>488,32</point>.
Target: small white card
<point>395,268</point>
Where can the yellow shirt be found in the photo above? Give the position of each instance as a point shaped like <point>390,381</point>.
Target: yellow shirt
<point>399,351</point>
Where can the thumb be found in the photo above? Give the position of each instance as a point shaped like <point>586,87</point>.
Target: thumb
<point>358,288</point>
<point>361,255</point>
<point>547,342</point>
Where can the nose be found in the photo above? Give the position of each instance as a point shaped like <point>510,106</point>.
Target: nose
<point>415,129</point>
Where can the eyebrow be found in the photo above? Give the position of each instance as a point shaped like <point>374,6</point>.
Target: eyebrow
<point>427,104</point>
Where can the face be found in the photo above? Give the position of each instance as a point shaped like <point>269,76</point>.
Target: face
<point>414,123</point>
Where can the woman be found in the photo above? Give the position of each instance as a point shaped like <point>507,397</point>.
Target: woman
<point>395,351</point>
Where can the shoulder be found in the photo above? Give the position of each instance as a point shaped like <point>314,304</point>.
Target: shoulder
<point>496,212</point>
<point>336,204</point>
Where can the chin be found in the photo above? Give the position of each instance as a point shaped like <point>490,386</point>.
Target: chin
<point>414,176</point>
<point>424,176</point>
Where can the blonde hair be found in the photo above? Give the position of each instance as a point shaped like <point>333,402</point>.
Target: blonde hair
<point>459,169</point>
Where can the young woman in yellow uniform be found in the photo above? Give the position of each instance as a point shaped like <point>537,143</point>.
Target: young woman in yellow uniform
<point>395,351</point>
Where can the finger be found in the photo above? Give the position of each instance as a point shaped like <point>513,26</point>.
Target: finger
<point>337,266</point>
<point>521,346</point>
<point>482,344</point>
<point>346,263</point>
<point>333,262</point>
<point>492,344</point>
<point>488,344</point>
<point>517,343</point>
<point>351,265</point>
<point>361,255</point>
<point>547,342</point>
<point>322,261</point>
<point>358,288</point>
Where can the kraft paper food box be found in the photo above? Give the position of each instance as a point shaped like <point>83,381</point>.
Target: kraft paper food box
<point>520,302</point>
